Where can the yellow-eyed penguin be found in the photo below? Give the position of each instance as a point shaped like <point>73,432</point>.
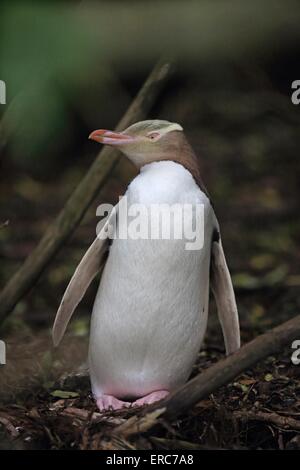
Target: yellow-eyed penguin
<point>150,313</point>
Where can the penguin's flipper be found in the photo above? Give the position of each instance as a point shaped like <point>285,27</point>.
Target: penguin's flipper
<point>92,262</point>
<point>225,299</point>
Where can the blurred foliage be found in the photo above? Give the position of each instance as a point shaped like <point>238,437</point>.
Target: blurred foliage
<point>73,66</point>
<point>62,60</point>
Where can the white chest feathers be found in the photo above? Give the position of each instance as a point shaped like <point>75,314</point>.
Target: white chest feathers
<point>150,312</point>
<point>164,182</point>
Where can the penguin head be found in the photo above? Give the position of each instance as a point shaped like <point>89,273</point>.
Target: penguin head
<point>145,141</point>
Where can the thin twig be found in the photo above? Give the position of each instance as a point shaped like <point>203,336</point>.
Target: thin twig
<point>283,422</point>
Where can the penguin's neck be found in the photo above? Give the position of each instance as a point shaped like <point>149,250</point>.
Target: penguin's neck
<point>177,149</point>
<point>163,182</point>
<point>188,159</point>
<point>185,156</point>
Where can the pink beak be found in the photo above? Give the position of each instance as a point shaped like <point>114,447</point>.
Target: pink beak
<point>111,138</point>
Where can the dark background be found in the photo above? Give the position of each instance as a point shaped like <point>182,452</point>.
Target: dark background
<point>72,67</point>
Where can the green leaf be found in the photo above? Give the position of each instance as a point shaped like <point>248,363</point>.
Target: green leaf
<point>64,394</point>
<point>268,377</point>
<point>262,261</point>
<point>245,281</point>
<point>241,386</point>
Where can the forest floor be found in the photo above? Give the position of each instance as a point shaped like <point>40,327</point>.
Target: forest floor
<point>260,410</point>
<point>248,142</point>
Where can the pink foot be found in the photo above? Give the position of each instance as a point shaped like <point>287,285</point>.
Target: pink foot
<point>151,398</point>
<point>108,402</point>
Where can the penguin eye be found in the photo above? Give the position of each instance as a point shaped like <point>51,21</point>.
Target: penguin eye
<point>153,135</point>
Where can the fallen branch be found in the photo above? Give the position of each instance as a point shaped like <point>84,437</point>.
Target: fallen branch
<point>227,369</point>
<point>283,422</point>
<point>137,425</point>
<point>81,198</point>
